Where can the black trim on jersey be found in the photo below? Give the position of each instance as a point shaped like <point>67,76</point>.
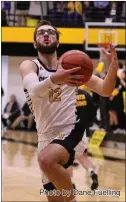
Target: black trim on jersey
<point>30,104</point>
<point>49,70</point>
<point>37,67</point>
<point>27,96</point>
<point>29,100</point>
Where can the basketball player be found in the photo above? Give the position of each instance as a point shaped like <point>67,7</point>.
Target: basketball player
<point>51,94</point>
<point>86,112</point>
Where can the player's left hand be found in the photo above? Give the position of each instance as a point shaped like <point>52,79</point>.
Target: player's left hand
<point>112,56</point>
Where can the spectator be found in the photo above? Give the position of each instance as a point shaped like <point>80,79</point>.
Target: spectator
<point>7,8</point>
<point>123,14</point>
<point>70,7</point>
<point>113,11</point>
<point>11,112</point>
<point>87,11</point>
<point>56,15</point>
<point>78,7</point>
<point>101,4</point>
<point>22,8</point>
<point>100,10</point>
<point>3,18</point>
<point>26,116</point>
<point>74,19</point>
<point>35,10</point>
<point>74,6</point>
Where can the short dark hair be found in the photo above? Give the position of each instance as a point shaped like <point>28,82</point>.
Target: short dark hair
<point>45,22</point>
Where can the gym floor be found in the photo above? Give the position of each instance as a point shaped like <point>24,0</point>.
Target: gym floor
<point>21,177</point>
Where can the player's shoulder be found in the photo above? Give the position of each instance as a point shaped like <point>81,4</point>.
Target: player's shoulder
<point>26,67</point>
<point>27,64</point>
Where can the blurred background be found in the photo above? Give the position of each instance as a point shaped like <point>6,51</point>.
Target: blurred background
<point>86,26</point>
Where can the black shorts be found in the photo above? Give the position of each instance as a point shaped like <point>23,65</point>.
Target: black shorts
<point>71,141</point>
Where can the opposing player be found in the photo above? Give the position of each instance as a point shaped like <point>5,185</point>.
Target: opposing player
<point>86,112</point>
<point>51,94</point>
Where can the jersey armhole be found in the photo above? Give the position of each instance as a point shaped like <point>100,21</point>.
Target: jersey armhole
<point>37,68</point>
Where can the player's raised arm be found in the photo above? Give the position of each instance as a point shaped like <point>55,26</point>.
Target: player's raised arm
<point>31,81</point>
<point>106,86</point>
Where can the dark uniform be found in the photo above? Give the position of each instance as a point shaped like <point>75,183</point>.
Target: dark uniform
<point>85,108</point>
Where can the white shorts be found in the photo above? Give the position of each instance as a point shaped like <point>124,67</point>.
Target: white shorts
<point>71,139</point>
<point>79,149</point>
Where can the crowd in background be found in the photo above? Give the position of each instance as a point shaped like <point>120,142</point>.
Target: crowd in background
<point>62,13</point>
<point>113,109</point>
<point>14,117</point>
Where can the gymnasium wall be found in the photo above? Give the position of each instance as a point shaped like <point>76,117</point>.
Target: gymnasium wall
<point>11,80</point>
<point>4,80</point>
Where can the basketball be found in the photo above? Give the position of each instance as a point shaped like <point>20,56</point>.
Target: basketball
<point>76,58</point>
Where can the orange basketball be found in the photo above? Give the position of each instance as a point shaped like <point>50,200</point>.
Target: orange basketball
<point>76,58</point>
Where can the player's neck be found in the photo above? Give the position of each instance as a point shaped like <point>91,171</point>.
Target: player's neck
<point>49,60</point>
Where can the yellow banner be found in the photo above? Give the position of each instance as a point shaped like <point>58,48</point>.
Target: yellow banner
<point>68,35</point>
<point>96,152</point>
<point>25,35</point>
<point>96,139</point>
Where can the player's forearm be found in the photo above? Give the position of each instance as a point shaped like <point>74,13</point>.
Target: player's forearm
<point>36,87</point>
<point>110,80</point>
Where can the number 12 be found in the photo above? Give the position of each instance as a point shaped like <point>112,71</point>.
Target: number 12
<point>54,95</point>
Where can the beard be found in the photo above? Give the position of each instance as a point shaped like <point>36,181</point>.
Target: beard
<point>46,49</point>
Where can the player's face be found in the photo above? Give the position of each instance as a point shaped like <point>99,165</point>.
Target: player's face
<point>46,40</point>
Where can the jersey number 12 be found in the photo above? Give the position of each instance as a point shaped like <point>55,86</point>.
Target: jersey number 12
<point>54,95</point>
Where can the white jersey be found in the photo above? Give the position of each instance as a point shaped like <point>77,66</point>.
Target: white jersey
<point>56,110</point>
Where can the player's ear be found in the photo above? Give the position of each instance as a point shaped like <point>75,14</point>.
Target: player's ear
<point>34,44</point>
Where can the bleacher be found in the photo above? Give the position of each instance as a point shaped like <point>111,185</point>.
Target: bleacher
<point>62,14</point>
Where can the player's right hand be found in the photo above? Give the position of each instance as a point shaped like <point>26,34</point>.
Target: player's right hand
<point>67,76</point>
